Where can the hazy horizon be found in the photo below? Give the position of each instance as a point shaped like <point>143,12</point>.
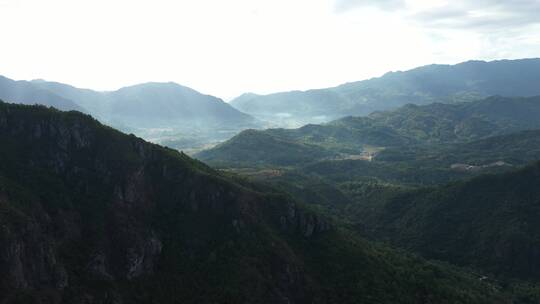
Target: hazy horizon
<point>248,92</point>
<point>226,49</point>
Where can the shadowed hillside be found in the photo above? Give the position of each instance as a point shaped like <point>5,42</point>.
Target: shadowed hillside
<point>90,215</point>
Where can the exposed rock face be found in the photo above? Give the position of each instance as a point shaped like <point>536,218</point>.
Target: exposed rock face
<point>141,258</point>
<point>98,266</point>
<point>305,223</point>
<point>29,259</point>
<point>30,254</point>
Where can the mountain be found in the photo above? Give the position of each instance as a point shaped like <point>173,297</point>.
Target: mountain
<point>463,121</point>
<point>489,222</point>
<point>166,113</point>
<point>519,148</point>
<point>351,188</point>
<point>466,81</point>
<point>25,93</point>
<point>93,101</point>
<point>152,105</point>
<point>292,109</point>
<point>432,164</point>
<point>356,168</point>
<point>410,125</point>
<point>91,215</point>
<point>163,104</point>
<point>269,149</point>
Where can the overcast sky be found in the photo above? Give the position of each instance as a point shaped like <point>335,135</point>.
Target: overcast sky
<point>225,48</point>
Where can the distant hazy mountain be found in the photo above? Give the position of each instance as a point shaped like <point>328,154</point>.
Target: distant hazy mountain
<point>410,124</point>
<point>26,93</point>
<point>434,83</point>
<point>93,101</point>
<point>167,113</point>
<point>166,103</point>
<point>152,105</point>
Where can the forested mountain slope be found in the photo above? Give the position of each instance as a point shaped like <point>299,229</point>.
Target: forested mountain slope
<point>90,215</point>
<point>489,222</point>
<point>358,137</point>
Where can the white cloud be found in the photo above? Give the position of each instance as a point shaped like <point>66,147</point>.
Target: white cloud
<point>482,14</point>
<point>344,5</point>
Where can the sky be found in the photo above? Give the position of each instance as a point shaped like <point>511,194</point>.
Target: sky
<point>226,48</point>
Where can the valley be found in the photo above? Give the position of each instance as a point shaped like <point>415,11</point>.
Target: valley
<point>270,152</point>
<point>137,222</point>
<point>451,182</point>
<point>427,202</point>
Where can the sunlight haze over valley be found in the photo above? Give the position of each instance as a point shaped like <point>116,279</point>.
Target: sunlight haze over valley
<point>280,152</point>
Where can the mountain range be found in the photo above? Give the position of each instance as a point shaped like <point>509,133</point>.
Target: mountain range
<point>466,81</point>
<point>416,187</point>
<point>91,215</point>
<point>167,113</point>
<point>448,181</point>
<point>25,93</point>
<point>365,137</point>
<point>185,119</point>
<point>151,105</point>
